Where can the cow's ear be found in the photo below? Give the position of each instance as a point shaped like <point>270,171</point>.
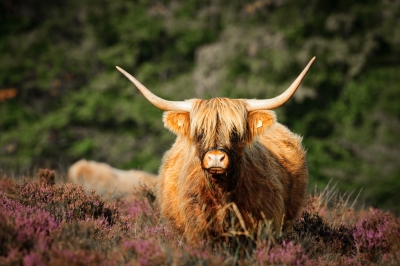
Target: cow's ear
<point>177,121</point>
<point>260,120</point>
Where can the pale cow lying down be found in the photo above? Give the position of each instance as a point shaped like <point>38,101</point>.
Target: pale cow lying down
<point>105,179</point>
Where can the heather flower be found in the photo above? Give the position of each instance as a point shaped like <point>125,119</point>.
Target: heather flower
<point>77,257</point>
<point>23,228</point>
<point>64,202</point>
<point>159,231</point>
<point>6,183</point>
<point>146,252</point>
<point>46,224</point>
<point>377,235</point>
<point>46,176</point>
<point>13,257</point>
<point>317,237</point>
<point>138,207</point>
<point>392,258</point>
<point>26,216</point>
<point>285,254</point>
<point>199,253</point>
<point>34,259</point>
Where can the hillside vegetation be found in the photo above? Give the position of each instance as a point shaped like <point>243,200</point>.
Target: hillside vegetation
<point>43,223</point>
<point>61,98</point>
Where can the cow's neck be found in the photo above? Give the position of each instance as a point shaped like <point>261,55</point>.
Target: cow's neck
<point>222,185</point>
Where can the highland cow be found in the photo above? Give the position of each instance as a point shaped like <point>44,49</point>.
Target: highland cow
<point>230,154</point>
<point>104,178</point>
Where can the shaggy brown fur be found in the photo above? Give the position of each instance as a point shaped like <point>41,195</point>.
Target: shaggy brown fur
<point>267,177</point>
<point>104,178</point>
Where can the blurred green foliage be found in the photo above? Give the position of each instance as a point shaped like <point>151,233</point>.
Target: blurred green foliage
<point>72,103</point>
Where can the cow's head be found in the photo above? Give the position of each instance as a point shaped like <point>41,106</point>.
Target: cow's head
<point>220,127</point>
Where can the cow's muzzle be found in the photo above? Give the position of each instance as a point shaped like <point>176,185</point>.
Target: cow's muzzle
<point>216,162</point>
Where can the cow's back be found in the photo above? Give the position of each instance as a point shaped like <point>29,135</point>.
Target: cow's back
<point>104,178</point>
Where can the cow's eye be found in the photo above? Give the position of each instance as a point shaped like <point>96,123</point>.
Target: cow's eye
<point>234,137</point>
<point>199,137</point>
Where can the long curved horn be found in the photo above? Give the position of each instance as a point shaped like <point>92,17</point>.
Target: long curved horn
<point>280,99</point>
<point>155,100</point>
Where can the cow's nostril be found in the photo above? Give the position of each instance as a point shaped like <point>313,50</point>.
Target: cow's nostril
<point>215,159</point>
